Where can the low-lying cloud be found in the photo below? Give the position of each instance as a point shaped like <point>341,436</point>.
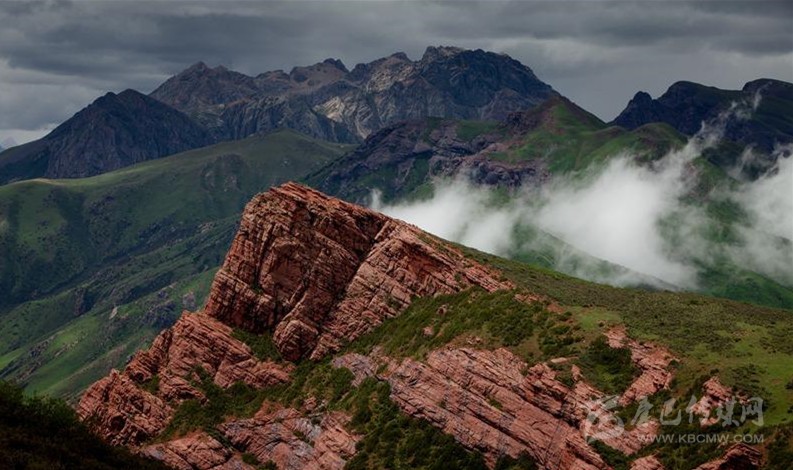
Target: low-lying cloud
<point>641,217</point>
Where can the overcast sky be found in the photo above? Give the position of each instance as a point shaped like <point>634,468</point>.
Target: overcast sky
<point>57,56</point>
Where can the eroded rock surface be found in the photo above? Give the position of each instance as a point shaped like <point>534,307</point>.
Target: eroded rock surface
<point>199,451</point>
<point>653,360</point>
<point>122,412</point>
<point>714,395</point>
<point>321,272</point>
<point>649,462</point>
<point>737,457</point>
<point>491,402</point>
<point>293,441</point>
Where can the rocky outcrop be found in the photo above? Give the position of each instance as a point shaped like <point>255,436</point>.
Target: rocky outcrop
<point>737,457</point>
<point>120,409</point>
<point>314,271</point>
<point>122,413</point>
<point>649,462</point>
<point>653,361</point>
<point>200,342</point>
<point>115,131</point>
<point>328,101</point>
<point>199,451</point>
<point>361,366</point>
<point>492,402</point>
<point>714,395</point>
<point>292,440</point>
<point>320,272</point>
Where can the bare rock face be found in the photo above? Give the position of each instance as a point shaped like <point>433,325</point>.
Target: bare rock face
<point>737,457</point>
<point>491,402</point>
<point>199,451</point>
<point>652,359</point>
<point>361,366</point>
<point>320,272</point>
<point>714,395</point>
<point>200,341</point>
<point>328,101</point>
<point>649,462</point>
<point>292,440</point>
<point>120,411</point>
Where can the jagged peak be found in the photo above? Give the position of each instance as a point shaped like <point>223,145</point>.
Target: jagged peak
<point>641,97</point>
<point>198,66</point>
<point>336,63</point>
<point>439,52</point>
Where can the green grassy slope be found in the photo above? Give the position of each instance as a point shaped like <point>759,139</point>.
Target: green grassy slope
<point>143,240</point>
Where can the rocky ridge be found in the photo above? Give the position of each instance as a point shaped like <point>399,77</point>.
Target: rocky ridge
<point>328,101</point>
<point>115,131</point>
<point>317,272</point>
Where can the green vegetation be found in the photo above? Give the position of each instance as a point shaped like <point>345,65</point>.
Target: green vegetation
<point>495,319</point>
<point>262,345</point>
<point>609,369</point>
<point>395,440</point>
<point>44,433</point>
<point>469,130</point>
<point>570,139</point>
<point>143,242</point>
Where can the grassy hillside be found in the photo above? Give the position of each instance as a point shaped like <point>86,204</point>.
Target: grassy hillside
<point>93,268</point>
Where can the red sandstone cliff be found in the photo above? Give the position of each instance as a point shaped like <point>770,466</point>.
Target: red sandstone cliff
<point>317,273</point>
<point>320,272</point>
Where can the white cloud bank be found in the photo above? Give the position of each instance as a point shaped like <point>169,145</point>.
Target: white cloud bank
<point>628,214</point>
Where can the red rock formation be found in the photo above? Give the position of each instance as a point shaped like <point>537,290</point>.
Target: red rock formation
<point>647,463</point>
<point>198,451</point>
<point>653,360</point>
<point>492,403</point>
<point>293,441</point>
<point>200,341</point>
<point>714,395</point>
<point>361,366</point>
<point>737,457</point>
<point>320,272</point>
<point>123,413</point>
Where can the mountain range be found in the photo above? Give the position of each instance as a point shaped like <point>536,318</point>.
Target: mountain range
<point>118,221</point>
<point>204,105</point>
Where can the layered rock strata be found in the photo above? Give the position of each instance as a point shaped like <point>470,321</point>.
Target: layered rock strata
<point>320,272</point>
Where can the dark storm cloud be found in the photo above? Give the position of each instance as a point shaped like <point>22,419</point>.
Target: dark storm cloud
<point>54,56</point>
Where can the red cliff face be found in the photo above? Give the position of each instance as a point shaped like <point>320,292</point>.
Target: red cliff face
<point>316,273</point>
<point>121,409</point>
<point>320,272</point>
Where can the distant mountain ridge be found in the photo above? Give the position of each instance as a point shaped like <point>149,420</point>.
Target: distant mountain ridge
<point>685,105</point>
<point>203,105</point>
<point>328,101</point>
<point>115,131</point>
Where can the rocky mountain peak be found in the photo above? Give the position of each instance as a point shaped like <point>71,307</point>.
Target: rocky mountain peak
<point>327,101</point>
<point>433,53</point>
<point>336,63</point>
